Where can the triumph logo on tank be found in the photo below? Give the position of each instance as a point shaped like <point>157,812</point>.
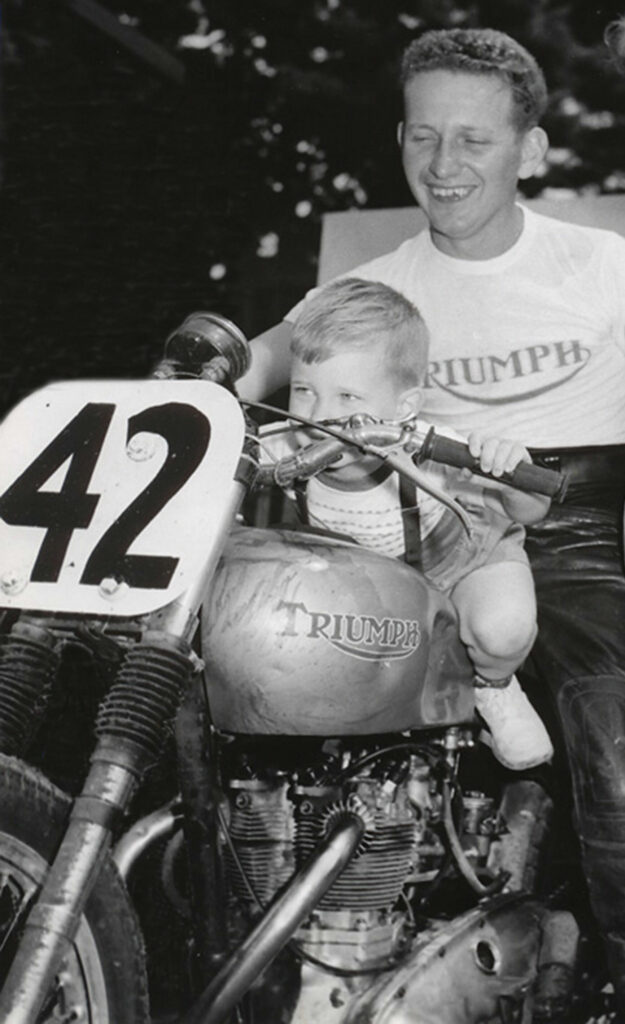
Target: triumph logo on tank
<point>361,636</point>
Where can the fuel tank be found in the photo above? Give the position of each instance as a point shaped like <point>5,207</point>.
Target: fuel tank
<point>307,635</point>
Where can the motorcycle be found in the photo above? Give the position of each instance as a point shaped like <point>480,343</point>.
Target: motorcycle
<point>335,845</point>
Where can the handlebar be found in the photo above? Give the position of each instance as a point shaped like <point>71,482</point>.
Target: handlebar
<point>318,456</point>
<point>525,477</point>
<point>379,438</point>
<point>211,347</point>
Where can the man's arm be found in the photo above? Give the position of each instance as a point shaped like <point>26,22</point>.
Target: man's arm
<point>271,359</point>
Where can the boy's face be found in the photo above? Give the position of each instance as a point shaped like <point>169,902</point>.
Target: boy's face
<point>342,385</point>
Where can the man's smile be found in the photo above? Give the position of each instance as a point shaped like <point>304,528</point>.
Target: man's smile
<point>450,193</point>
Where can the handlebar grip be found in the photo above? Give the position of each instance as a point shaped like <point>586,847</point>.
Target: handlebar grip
<point>526,476</point>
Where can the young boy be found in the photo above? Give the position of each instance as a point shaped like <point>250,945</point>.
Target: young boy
<point>360,346</point>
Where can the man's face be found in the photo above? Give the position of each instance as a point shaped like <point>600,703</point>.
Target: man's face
<point>463,156</point>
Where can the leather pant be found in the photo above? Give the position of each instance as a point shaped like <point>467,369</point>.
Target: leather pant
<point>577,559</point>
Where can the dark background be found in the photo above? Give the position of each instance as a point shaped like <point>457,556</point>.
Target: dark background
<point>179,155</point>
<point>139,186</point>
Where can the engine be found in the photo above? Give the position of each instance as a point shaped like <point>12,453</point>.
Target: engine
<point>279,809</point>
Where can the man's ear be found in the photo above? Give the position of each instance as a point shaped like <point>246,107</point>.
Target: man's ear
<point>409,402</point>
<point>535,145</point>
<point>400,134</point>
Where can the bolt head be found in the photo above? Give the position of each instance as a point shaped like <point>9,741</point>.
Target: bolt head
<point>111,588</point>
<point>141,447</point>
<point>13,581</point>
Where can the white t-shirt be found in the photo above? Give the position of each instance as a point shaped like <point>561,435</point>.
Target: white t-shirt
<point>529,345</point>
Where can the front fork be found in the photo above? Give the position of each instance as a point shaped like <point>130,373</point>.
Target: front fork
<point>131,727</point>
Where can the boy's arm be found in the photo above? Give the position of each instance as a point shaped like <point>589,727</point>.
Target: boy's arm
<point>498,456</point>
<point>270,365</point>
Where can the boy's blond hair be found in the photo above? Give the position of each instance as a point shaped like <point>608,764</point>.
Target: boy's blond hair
<point>351,314</point>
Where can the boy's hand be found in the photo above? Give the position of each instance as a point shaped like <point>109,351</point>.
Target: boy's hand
<point>496,454</point>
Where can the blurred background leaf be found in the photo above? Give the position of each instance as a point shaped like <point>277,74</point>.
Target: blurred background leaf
<point>160,156</point>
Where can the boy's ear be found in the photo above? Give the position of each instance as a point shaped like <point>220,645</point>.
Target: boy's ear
<point>409,402</point>
<point>400,134</point>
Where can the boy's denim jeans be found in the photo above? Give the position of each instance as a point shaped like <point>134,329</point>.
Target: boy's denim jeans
<point>577,559</point>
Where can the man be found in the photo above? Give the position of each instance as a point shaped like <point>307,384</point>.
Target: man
<point>527,324</point>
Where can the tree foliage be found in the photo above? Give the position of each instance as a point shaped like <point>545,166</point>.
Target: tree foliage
<point>129,199</point>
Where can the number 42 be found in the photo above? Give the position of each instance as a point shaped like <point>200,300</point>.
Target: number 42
<point>187,433</point>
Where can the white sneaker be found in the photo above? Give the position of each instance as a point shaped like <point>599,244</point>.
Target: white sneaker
<point>519,738</point>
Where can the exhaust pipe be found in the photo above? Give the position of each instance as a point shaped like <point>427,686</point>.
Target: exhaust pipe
<point>280,923</point>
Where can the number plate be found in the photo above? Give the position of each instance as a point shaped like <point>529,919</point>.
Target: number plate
<point>111,491</point>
